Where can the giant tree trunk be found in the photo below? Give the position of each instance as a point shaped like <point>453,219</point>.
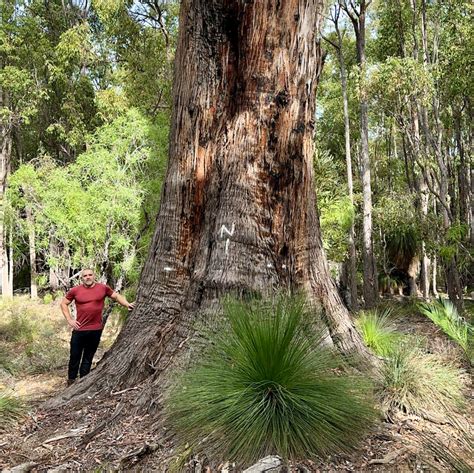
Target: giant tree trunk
<point>238,209</point>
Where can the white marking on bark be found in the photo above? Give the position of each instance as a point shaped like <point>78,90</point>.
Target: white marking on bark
<point>229,232</point>
<point>269,265</point>
<point>225,229</point>
<point>283,266</point>
<point>167,268</point>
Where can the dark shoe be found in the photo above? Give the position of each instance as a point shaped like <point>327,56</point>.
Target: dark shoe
<point>70,381</point>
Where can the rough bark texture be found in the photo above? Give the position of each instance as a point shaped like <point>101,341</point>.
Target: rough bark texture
<point>238,210</point>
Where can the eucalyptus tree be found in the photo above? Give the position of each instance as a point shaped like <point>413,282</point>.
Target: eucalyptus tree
<point>431,39</point>
<point>47,97</point>
<point>337,43</point>
<point>238,211</point>
<point>91,208</point>
<point>357,13</point>
<point>18,106</point>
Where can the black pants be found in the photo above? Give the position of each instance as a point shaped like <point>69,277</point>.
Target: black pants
<point>83,347</point>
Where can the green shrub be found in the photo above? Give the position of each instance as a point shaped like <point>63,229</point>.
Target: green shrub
<point>267,386</point>
<point>416,382</point>
<point>42,358</point>
<point>445,315</point>
<point>377,331</point>
<point>19,328</point>
<point>11,409</point>
<point>6,362</point>
<point>48,298</point>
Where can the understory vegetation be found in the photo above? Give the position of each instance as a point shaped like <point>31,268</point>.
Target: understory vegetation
<point>11,409</point>
<point>32,337</point>
<point>445,315</point>
<point>378,331</point>
<point>269,385</point>
<point>413,380</point>
<point>34,340</point>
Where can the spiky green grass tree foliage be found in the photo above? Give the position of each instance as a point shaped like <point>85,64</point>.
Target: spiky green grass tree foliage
<point>378,331</point>
<point>416,382</point>
<point>269,386</point>
<point>445,315</point>
<point>11,409</point>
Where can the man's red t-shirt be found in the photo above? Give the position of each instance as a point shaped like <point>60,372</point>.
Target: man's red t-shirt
<point>89,304</point>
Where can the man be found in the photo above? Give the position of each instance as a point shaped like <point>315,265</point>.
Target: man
<point>87,327</point>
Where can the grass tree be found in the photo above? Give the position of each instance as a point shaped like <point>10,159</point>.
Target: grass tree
<point>269,385</point>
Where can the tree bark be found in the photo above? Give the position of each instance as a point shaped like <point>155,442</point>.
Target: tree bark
<point>238,211</point>
<point>5,163</point>
<point>32,250</point>
<point>53,265</point>
<point>10,262</point>
<point>350,186</point>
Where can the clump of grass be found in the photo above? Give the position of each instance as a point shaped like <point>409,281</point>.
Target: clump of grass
<point>42,359</point>
<point>377,331</point>
<point>11,409</point>
<point>6,362</point>
<point>267,387</point>
<point>445,315</point>
<point>416,382</point>
<point>19,328</point>
<point>30,337</point>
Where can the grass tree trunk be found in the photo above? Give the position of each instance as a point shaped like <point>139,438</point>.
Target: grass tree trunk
<point>238,210</point>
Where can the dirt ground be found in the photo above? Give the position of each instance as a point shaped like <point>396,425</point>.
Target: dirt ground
<point>96,436</point>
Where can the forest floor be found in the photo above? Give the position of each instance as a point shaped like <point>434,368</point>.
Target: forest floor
<point>94,436</point>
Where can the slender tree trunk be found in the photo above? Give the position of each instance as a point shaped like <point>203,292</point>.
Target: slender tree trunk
<point>453,280</point>
<point>465,207</point>
<point>435,140</point>
<point>32,250</point>
<point>5,160</point>
<point>238,211</point>
<point>352,273</point>
<point>435,276</point>
<point>370,268</point>
<point>10,262</point>
<point>347,142</point>
<point>54,282</point>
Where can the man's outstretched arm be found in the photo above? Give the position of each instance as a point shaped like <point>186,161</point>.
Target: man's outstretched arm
<point>122,301</point>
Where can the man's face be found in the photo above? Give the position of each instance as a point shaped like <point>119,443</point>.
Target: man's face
<point>88,277</point>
